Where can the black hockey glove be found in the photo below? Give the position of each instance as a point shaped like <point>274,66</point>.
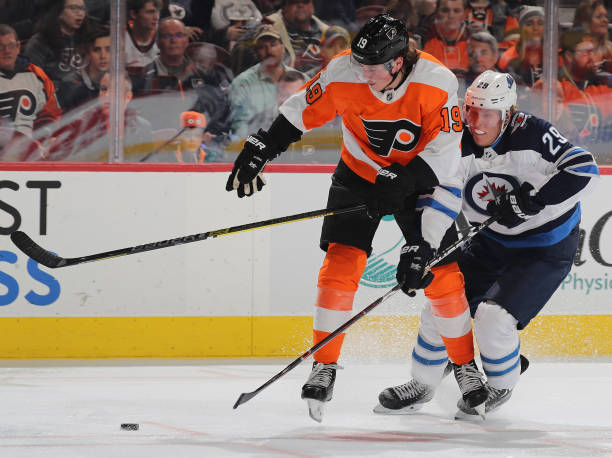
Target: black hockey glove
<point>514,207</point>
<point>246,175</point>
<point>393,184</point>
<point>414,258</point>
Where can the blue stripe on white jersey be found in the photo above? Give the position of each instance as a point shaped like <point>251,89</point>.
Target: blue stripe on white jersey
<point>439,209</point>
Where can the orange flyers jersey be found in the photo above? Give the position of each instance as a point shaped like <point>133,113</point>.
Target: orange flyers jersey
<point>420,117</point>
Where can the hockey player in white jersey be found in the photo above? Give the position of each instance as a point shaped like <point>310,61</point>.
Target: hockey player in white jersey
<point>521,169</point>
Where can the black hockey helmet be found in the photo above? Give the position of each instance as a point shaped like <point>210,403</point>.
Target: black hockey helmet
<point>380,39</point>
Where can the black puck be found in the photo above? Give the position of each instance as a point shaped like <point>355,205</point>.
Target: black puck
<point>130,426</point>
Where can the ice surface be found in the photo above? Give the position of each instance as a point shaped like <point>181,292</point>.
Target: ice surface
<point>184,408</point>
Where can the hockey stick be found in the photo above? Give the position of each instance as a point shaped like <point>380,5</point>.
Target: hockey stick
<point>46,258</point>
<point>244,397</point>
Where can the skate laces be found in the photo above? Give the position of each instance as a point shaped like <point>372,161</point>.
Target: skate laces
<point>410,390</point>
<point>468,377</point>
<point>322,374</point>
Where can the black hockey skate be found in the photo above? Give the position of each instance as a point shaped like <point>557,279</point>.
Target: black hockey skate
<point>319,388</point>
<point>495,399</point>
<point>473,390</point>
<point>406,398</point>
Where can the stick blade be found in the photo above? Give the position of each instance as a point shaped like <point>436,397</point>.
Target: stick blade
<point>244,397</point>
<point>35,251</point>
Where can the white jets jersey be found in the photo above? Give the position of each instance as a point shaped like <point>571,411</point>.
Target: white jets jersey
<point>530,150</point>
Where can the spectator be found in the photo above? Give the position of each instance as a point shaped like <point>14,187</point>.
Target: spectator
<point>198,89</point>
<point>56,46</point>
<point>333,41</point>
<point>137,134</point>
<point>86,83</point>
<point>592,16</point>
<point>586,95</point>
<point>531,29</point>
<point>231,20</point>
<point>447,38</point>
<point>27,95</point>
<point>300,33</point>
<point>140,46</point>
<point>482,55</point>
<point>193,139</point>
<point>254,91</point>
<point>405,11</point>
<point>182,10</point>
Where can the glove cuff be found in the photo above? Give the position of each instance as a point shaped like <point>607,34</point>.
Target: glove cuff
<point>281,134</point>
<point>423,175</point>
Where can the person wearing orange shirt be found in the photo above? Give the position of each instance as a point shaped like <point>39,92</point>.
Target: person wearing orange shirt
<point>401,129</point>
<point>447,39</point>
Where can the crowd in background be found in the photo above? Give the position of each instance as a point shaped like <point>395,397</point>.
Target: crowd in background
<point>203,74</point>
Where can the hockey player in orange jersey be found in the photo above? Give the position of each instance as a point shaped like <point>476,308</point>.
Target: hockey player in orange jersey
<point>401,129</point>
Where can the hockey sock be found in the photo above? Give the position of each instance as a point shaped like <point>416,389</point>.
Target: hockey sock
<point>451,312</point>
<point>499,345</point>
<point>338,281</point>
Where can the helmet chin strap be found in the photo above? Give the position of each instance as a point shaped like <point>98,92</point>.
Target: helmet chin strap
<point>393,76</point>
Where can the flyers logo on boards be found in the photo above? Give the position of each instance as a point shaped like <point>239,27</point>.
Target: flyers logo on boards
<point>384,136</point>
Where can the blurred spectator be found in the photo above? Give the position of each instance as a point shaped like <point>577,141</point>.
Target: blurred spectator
<point>333,41</point>
<point>86,83</point>
<point>527,66</point>
<point>140,45</point>
<point>268,6</point>
<point>447,38</point>
<point>586,95</point>
<point>193,139</point>
<point>405,11</point>
<point>137,134</point>
<point>27,95</point>
<point>181,10</point>
<point>300,33</point>
<point>592,16</point>
<point>493,16</point>
<point>231,20</point>
<point>531,29</point>
<point>338,12</point>
<point>198,88</point>
<point>56,47</point>
<point>254,91</point>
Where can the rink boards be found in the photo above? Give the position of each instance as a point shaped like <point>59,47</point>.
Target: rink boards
<point>246,294</point>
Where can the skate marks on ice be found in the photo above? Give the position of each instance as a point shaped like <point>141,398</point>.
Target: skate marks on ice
<point>186,411</point>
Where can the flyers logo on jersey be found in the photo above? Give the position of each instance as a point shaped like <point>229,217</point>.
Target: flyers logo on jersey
<point>385,136</point>
<point>21,100</point>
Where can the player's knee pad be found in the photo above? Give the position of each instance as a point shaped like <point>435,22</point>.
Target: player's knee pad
<point>499,344</point>
<point>342,267</point>
<point>429,356</point>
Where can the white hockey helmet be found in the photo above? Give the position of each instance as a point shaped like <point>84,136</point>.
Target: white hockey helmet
<point>493,91</point>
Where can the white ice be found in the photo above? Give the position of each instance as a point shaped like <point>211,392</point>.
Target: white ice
<point>184,409</point>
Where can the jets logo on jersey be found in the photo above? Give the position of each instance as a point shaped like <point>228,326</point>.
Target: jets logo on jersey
<point>12,101</point>
<point>385,136</point>
<point>482,188</point>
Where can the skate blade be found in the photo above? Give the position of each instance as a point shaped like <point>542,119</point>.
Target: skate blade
<point>315,409</point>
<point>403,411</point>
<point>464,416</point>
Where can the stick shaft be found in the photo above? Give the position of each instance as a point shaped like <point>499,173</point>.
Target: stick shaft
<point>39,254</point>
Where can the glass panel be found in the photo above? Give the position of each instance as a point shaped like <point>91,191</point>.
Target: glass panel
<point>236,65</point>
